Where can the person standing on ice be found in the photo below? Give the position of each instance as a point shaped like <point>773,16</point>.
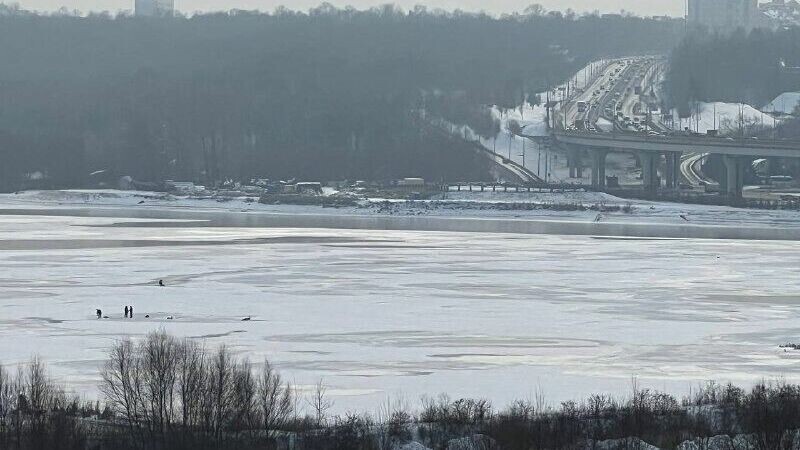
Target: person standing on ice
<point>130,309</point>
<point>126,312</point>
<point>99,313</point>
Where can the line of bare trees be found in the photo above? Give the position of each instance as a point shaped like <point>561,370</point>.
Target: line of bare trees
<point>35,412</point>
<point>162,392</point>
<point>177,394</point>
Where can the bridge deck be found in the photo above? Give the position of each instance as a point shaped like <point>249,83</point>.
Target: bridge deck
<point>739,147</point>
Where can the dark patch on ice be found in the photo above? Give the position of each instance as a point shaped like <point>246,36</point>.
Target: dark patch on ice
<point>45,319</point>
<point>217,335</point>
<point>385,246</point>
<point>429,339</point>
<point>24,294</point>
<point>634,238</point>
<point>155,224</point>
<point>75,244</point>
<point>786,299</point>
<point>311,352</point>
<point>80,363</point>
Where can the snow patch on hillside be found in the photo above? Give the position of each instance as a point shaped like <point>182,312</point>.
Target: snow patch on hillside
<point>725,117</point>
<point>786,103</point>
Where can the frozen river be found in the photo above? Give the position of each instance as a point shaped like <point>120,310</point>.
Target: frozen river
<point>380,314</point>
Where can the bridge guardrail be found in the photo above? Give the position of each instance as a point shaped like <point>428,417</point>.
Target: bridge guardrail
<point>786,144</point>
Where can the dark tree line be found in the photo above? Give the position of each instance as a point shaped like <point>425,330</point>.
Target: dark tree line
<point>328,94</point>
<point>750,68</point>
<point>167,393</point>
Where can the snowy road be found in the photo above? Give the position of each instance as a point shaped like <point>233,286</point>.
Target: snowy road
<point>691,164</point>
<point>380,314</point>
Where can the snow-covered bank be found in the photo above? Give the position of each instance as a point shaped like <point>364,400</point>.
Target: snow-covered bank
<point>448,224</point>
<point>516,212</point>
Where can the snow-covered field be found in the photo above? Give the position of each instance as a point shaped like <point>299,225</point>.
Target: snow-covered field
<point>725,117</point>
<point>380,314</point>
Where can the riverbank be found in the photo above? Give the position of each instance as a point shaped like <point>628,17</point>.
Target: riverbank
<point>557,213</point>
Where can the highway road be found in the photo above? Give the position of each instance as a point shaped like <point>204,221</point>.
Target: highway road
<point>691,169</point>
<point>586,95</point>
<point>612,94</point>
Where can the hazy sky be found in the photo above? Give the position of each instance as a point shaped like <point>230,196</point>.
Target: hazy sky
<point>644,7</point>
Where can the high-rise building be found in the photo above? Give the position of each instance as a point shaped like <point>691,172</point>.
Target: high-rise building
<point>154,8</point>
<point>724,16</point>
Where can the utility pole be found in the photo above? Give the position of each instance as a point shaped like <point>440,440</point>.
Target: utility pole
<point>547,108</point>
<point>715,115</point>
<point>539,160</point>
<point>546,164</point>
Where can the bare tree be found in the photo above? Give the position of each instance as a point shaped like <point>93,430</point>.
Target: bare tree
<point>320,404</point>
<point>275,399</point>
<point>122,386</point>
<point>8,396</point>
<point>37,387</point>
<point>191,377</point>
<point>244,388</point>
<point>159,363</point>
<point>218,406</point>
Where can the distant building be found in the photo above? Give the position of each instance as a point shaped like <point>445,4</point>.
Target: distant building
<point>154,8</point>
<point>724,16</point>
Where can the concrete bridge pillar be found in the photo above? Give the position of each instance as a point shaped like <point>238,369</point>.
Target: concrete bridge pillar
<point>599,168</point>
<point>733,183</point>
<point>673,170</point>
<point>574,161</point>
<point>650,170</point>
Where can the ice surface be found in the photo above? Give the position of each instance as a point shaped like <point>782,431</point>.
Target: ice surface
<point>380,314</point>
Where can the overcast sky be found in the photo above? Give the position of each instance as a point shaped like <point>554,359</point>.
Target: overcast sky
<point>644,7</point>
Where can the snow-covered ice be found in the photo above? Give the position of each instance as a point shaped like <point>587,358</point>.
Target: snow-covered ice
<point>377,313</point>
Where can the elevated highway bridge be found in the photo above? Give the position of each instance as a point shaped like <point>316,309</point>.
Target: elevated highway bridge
<point>737,153</point>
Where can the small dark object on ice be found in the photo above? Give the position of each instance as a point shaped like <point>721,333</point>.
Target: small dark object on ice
<point>170,317</point>
<point>140,202</point>
<point>246,319</point>
<point>161,283</point>
<point>684,217</point>
<point>147,316</point>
